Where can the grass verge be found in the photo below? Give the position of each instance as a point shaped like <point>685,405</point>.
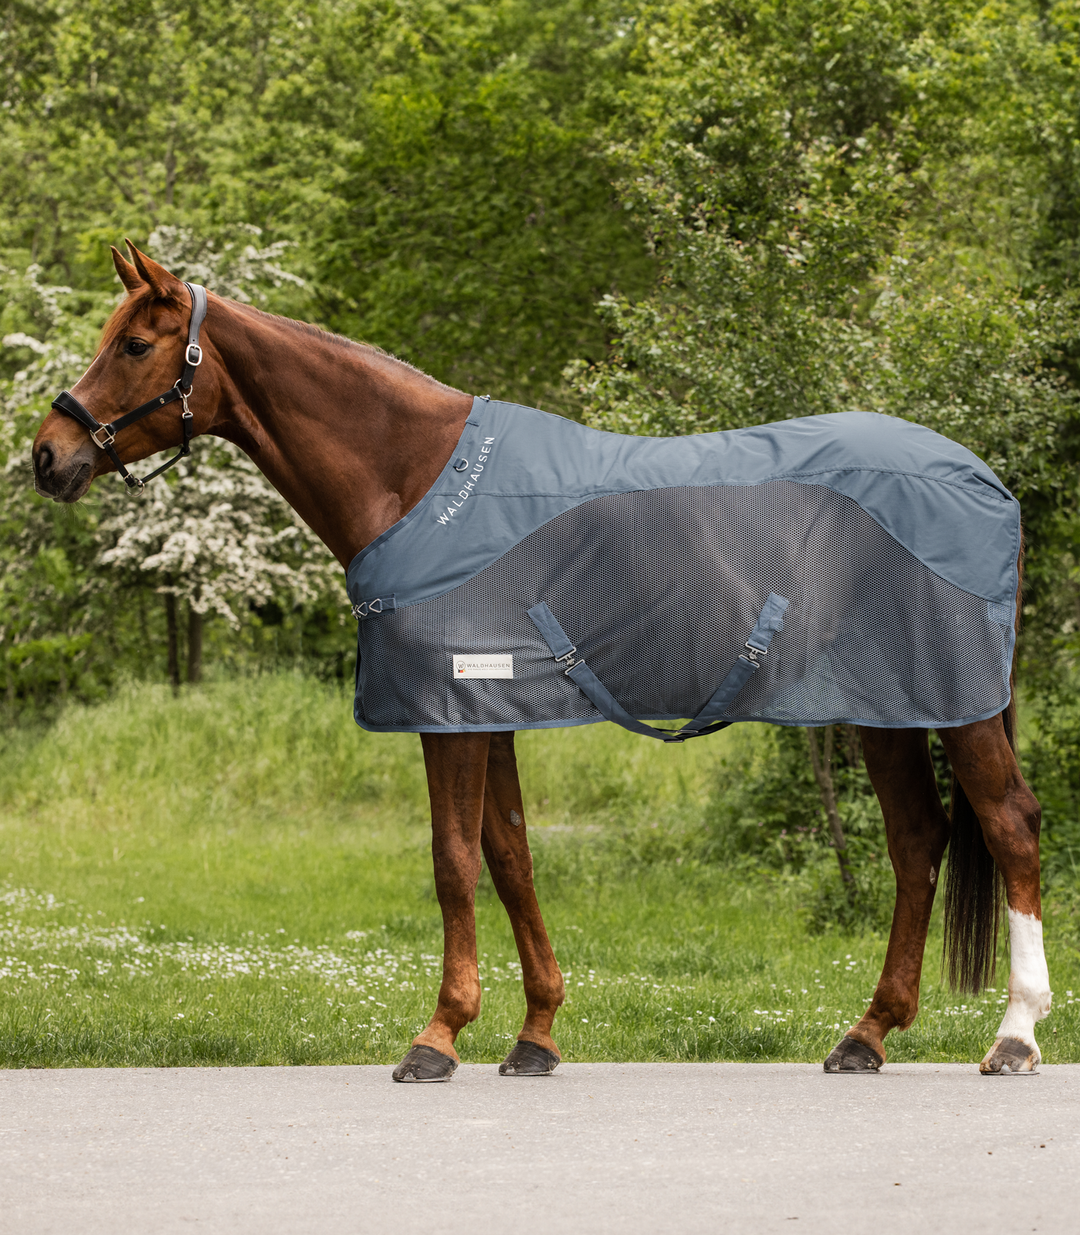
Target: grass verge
<point>239,876</point>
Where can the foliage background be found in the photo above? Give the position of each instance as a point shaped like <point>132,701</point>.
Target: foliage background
<point>659,217</point>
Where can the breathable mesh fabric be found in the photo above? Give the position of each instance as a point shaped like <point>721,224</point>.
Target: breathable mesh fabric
<point>660,589</point>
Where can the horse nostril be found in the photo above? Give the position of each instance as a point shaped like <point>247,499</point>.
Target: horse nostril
<point>44,459</point>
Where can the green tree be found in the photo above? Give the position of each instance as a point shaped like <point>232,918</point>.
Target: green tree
<point>439,164</point>
<point>467,220</point>
<point>787,163</point>
<point>804,172</point>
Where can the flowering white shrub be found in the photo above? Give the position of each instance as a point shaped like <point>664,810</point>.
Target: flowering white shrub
<point>232,268</point>
<point>215,530</point>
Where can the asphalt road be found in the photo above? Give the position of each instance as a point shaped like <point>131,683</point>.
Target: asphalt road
<point>596,1148</point>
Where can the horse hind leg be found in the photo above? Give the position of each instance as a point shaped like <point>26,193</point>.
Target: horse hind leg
<point>983,761</point>
<point>506,848</point>
<point>917,828</point>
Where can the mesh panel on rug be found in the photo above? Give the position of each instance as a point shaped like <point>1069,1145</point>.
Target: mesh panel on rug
<point>659,590</point>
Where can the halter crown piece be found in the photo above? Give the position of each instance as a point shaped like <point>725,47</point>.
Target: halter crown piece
<point>105,435</point>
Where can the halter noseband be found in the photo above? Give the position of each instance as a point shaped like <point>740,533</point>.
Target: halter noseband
<point>104,435</point>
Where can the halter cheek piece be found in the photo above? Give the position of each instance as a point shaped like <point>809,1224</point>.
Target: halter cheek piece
<point>104,435</point>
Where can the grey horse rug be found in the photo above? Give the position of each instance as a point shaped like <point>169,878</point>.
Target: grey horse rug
<point>841,568</point>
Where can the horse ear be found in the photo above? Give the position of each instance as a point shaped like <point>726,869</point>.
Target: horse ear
<point>129,276</point>
<point>164,285</point>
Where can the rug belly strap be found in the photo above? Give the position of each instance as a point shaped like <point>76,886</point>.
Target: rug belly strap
<point>709,719</point>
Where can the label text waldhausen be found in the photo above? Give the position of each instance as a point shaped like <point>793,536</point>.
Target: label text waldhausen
<point>468,485</point>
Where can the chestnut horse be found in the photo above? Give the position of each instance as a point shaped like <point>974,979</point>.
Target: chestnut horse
<point>353,439</point>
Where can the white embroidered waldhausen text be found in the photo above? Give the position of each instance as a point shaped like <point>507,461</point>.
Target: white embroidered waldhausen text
<point>469,484</point>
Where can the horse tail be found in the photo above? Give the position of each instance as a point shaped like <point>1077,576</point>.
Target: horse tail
<point>973,893</point>
<point>974,890</point>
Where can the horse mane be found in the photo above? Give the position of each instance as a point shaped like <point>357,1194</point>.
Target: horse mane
<point>136,301</point>
<point>368,351</point>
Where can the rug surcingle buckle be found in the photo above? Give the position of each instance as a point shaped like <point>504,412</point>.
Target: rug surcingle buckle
<point>752,654</point>
<point>569,658</point>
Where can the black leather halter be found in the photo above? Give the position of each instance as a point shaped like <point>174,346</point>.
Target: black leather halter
<point>104,435</point>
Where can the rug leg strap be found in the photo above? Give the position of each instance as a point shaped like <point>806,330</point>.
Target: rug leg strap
<point>709,719</point>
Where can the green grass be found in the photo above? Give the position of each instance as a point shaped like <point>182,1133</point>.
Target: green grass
<point>240,876</point>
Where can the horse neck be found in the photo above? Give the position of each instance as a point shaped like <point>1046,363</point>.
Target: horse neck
<point>352,439</point>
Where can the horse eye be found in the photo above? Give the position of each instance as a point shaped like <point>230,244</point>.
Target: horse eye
<point>135,347</point>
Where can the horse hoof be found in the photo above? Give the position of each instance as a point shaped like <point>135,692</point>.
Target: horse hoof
<point>528,1059</point>
<point>851,1055</point>
<point>1010,1057</point>
<point>425,1063</point>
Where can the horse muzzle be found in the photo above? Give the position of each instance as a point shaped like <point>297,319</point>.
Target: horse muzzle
<point>62,473</point>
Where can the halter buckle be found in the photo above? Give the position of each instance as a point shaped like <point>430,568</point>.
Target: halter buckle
<point>103,437</point>
<point>184,395</point>
<point>193,355</point>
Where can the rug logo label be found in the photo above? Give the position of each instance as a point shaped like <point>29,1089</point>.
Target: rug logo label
<point>468,485</point>
<point>483,666</point>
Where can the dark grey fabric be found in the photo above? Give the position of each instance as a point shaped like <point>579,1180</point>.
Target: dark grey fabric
<point>895,548</point>
<point>710,719</point>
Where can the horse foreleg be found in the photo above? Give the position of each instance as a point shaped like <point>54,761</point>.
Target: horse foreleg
<point>898,762</point>
<point>1009,816</point>
<point>506,848</point>
<point>456,766</point>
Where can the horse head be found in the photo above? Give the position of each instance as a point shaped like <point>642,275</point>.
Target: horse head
<point>143,351</point>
